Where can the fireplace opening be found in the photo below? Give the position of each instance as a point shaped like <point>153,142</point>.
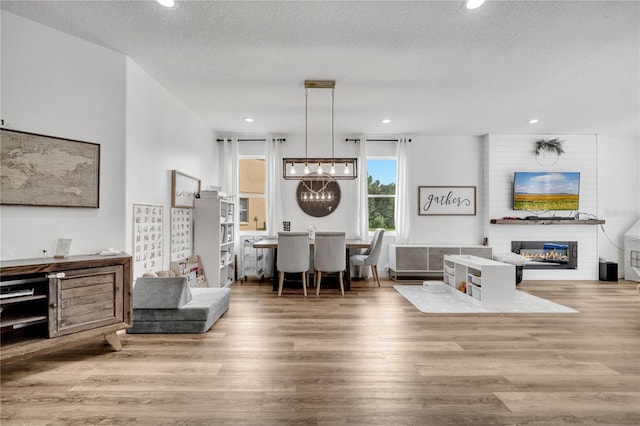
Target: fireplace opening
<point>547,254</point>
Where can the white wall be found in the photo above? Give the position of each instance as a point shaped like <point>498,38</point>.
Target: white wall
<point>162,135</point>
<point>445,161</point>
<point>58,85</point>
<point>55,84</point>
<point>453,160</point>
<point>618,193</point>
<point>505,154</point>
<point>462,161</point>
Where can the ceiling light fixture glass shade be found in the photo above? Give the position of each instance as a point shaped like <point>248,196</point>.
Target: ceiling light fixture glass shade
<point>320,168</point>
<point>474,4</point>
<point>167,3</point>
<point>314,168</point>
<point>317,190</point>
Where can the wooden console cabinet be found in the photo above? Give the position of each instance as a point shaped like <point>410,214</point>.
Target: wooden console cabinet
<point>49,302</point>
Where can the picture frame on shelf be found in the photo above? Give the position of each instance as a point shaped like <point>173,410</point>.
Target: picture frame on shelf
<point>446,200</point>
<point>184,190</point>
<point>63,246</point>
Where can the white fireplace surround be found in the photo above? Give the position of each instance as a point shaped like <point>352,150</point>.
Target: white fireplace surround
<point>505,154</point>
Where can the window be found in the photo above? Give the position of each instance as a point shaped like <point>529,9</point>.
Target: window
<point>252,210</point>
<point>243,211</point>
<point>382,192</point>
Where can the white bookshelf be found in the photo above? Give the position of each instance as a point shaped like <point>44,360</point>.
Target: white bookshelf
<point>488,283</point>
<point>214,237</point>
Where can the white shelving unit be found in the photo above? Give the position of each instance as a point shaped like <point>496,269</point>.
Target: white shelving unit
<point>214,237</point>
<point>487,282</point>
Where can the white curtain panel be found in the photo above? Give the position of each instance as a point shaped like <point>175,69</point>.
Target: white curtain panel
<point>363,191</point>
<point>274,183</point>
<point>402,214</point>
<point>363,202</point>
<point>230,155</point>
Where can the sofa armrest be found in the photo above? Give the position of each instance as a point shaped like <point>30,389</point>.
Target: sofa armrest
<point>161,293</point>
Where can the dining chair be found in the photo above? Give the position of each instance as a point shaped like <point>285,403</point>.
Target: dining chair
<point>329,256</point>
<point>371,255</point>
<point>293,257</point>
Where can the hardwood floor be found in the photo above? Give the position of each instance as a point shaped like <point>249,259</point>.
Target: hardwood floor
<point>369,358</point>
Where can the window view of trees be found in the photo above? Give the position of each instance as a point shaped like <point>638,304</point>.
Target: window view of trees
<point>382,193</point>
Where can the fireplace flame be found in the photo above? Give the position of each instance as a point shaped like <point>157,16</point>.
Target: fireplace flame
<point>542,255</point>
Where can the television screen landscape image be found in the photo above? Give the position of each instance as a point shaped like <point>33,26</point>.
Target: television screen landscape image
<point>546,190</point>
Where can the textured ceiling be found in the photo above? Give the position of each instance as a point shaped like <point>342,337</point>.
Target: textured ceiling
<point>432,67</point>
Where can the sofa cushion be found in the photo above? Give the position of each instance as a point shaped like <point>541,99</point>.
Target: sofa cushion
<point>169,327</point>
<point>204,300</point>
<point>161,293</point>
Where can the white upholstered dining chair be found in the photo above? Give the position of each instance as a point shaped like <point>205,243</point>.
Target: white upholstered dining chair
<point>329,256</point>
<point>293,257</point>
<point>370,256</point>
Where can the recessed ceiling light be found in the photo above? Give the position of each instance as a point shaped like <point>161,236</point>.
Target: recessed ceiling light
<point>249,119</point>
<point>386,120</point>
<point>474,4</point>
<point>533,121</point>
<point>167,3</point>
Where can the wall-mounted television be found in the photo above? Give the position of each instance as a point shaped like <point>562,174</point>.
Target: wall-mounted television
<point>546,190</point>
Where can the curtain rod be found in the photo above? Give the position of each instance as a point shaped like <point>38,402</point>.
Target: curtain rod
<point>255,140</point>
<point>375,140</point>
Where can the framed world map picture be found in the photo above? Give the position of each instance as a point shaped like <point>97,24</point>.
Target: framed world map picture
<point>38,170</point>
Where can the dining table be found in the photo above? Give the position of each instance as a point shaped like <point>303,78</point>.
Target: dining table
<point>351,244</point>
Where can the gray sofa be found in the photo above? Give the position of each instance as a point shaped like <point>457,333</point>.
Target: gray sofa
<point>169,305</point>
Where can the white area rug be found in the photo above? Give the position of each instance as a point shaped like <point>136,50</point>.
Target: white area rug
<point>453,302</point>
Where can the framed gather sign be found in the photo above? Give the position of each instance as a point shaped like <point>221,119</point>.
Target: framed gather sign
<point>447,200</point>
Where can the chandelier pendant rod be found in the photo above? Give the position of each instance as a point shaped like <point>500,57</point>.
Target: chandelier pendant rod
<point>306,119</point>
<point>333,97</point>
<point>317,171</point>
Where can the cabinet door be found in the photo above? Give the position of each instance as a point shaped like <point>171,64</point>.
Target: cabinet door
<point>485,252</point>
<point>411,258</point>
<point>436,256</point>
<point>85,299</point>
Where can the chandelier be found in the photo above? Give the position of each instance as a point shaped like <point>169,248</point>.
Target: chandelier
<point>317,189</point>
<point>319,168</point>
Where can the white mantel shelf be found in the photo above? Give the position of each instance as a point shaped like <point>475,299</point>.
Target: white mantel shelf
<point>546,222</point>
